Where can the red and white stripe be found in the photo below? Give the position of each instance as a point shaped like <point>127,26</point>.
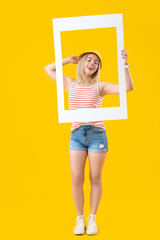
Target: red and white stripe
<point>85,97</point>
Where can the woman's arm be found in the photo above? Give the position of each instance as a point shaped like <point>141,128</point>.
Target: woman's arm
<point>110,88</point>
<point>128,78</point>
<point>51,70</point>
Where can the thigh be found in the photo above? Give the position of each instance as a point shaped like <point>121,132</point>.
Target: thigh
<point>96,162</point>
<point>77,162</point>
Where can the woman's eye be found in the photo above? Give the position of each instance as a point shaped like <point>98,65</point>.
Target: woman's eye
<point>90,60</point>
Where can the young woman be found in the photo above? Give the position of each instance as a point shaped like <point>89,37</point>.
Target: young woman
<point>88,138</point>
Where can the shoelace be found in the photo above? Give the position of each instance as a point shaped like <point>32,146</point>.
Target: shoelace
<point>79,222</point>
<point>92,222</point>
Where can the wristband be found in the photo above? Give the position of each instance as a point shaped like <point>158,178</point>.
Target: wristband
<point>126,65</point>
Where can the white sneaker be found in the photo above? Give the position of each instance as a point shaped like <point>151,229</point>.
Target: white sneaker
<point>92,226</point>
<point>80,225</point>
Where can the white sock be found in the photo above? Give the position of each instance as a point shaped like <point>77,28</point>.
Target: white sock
<point>92,214</point>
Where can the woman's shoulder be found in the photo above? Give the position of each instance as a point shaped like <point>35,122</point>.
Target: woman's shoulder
<point>100,85</point>
<point>100,88</point>
<point>70,82</point>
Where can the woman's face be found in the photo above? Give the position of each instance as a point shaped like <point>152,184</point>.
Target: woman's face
<point>91,64</point>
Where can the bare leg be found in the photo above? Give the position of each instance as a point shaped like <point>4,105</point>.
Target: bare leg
<point>96,161</point>
<point>77,166</point>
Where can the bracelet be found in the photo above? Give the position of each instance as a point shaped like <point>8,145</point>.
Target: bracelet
<point>126,65</point>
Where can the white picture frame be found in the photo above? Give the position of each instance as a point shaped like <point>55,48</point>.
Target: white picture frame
<point>81,23</point>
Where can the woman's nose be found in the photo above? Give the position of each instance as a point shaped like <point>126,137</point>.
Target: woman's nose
<point>92,64</point>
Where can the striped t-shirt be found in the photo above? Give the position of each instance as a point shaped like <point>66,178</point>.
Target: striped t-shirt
<point>85,97</point>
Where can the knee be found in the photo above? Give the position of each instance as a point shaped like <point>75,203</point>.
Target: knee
<point>95,180</point>
<point>77,180</point>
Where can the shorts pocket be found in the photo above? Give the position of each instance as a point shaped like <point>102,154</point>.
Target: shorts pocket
<point>97,130</point>
<point>76,131</point>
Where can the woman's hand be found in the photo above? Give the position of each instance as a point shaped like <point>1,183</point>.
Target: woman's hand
<point>74,59</point>
<point>124,55</point>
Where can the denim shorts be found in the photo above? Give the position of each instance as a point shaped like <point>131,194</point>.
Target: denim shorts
<point>89,138</point>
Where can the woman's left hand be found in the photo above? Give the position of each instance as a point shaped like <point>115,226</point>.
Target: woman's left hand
<point>124,55</point>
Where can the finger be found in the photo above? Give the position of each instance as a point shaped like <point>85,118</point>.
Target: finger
<point>124,55</point>
<point>124,51</point>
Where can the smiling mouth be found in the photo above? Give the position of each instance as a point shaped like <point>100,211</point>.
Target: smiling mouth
<point>91,69</point>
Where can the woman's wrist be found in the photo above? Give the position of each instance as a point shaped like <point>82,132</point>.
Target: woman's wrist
<point>126,65</point>
<point>65,61</point>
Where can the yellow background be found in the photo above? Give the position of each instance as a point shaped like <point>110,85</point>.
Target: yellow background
<point>35,181</point>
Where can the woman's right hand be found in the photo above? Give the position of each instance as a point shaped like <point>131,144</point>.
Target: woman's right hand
<point>74,59</point>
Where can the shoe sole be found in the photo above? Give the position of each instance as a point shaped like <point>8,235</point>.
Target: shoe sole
<point>91,233</point>
<point>80,233</point>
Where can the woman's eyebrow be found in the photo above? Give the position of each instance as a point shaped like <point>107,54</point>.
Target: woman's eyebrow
<point>94,60</point>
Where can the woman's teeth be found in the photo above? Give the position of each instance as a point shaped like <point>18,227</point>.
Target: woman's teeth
<point>90,68</point>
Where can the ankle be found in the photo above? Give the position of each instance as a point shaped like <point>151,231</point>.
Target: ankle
<point>91,214</point>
